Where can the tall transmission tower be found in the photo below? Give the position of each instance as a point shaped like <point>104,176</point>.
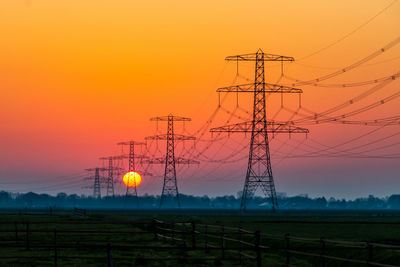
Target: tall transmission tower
<point>259,170</point>
<point>132,157</point>
<point>97,181</point>
<point>111,170</point>
<point>170,186</point>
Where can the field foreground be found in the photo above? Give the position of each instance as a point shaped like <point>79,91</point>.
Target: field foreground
<point>199,238</point>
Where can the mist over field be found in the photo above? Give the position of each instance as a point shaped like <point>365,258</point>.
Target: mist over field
<point>302,202</point>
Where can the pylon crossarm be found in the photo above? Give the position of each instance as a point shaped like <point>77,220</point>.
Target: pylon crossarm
<point>253,57</point>
<point>288,128</point>
<point>119,157</point>
<point>155,161</point>
<point>242,127</point>
<point>129,142</point>
<point>112,157</point>
<point>179,160</point>
<point>125,156</point>
<point>94,169</point>
<point>165,137</point>
<point>144,173</point>
<point>174,118</point>
<point>272,127</point>
<point>250,88</point>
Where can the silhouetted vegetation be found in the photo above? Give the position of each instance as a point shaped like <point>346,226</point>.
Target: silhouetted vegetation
<point>303,202</point>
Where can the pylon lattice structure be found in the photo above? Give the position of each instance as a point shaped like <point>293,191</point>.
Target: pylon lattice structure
<point>170,186</point>
<point>132,157</point>
<point>259,170</point>
<point>97,181</point>
<point>110,177</point>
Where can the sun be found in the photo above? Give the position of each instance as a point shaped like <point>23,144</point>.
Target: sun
<point>132,179</point>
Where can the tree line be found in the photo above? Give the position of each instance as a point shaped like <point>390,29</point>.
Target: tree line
<point>33,200</point>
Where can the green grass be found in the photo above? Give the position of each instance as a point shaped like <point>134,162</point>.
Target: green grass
<point>380,227</point>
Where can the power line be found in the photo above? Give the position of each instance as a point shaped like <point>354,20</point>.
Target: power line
<point>352,32</point>
<point>335,68</point>
<point>350,67</point>
<point>354,84</point>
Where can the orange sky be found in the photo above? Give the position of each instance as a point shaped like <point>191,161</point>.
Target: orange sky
<point>78,76</point>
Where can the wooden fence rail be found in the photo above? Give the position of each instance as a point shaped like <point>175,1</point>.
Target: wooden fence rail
<point>216,241</point>
<point>249,246</point>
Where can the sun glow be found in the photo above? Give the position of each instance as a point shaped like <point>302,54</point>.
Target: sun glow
<point>132,179</point>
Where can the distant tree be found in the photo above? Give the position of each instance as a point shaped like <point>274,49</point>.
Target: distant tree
<point>320,203</point>
<point>29,199</point>
<point>62,200</point>
<point>5,198</point>
<point>62,196</point>
<point>394,202</point>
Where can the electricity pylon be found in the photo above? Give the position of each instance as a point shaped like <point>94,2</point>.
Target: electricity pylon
<point>259,170</point>
<point>110,178</point>
<point>170,186</point>
<point>132,157</point>
<point>97,181</point>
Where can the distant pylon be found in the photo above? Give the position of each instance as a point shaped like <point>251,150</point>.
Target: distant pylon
<point>170,186</point>
<point>110,177</point>
<point>96,186</point>
<point>97,181</point>
<point>132,157</point>
<point>259,170</point>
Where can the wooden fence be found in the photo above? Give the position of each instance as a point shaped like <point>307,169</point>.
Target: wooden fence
<point>257,247</point>
<point>206,242</point>
<point>31,241</point>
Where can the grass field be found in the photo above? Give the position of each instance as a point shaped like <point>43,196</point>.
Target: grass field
<point>126,238</point>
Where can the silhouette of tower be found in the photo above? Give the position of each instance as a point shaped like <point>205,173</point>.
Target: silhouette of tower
<point>110,177</point>
<point>96,186</point>
<point>132,157</point>
<point>259,170</point>
<point>97,181</point>
<point>170,186</point>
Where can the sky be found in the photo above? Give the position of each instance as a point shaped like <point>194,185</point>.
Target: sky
<point>76,77</point>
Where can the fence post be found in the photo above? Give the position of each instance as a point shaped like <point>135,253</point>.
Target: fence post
<point>370,253</point>
<point>109,255</point>
<point>222,242</point>
<point>184,234</point>
<point>16,233</point>
<point>323,249</point>
<point>258,248</point>
<point>193,235</point>
<point>27,236</point>
<point>55,247</point>
<point>206,238</point>
<point>173,233</point>
<point>164,232</point>
<point>155,229</point>
<point>287,238</point>
<point>240,245</point>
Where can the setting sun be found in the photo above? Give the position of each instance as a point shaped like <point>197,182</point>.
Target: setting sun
<point>132,179</point>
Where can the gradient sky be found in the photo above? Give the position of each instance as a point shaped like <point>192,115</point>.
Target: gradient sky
<point>76,77</point>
